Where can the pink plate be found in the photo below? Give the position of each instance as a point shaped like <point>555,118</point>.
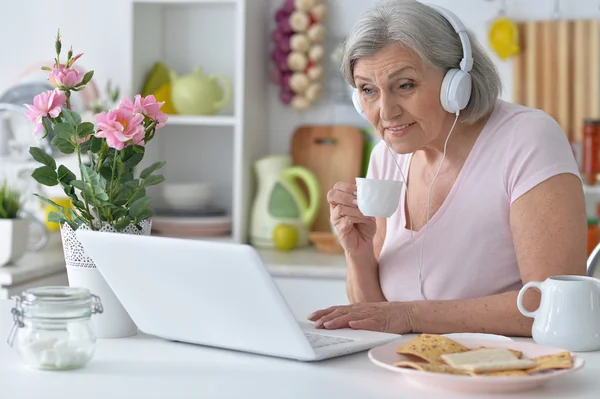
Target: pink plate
<point>385,356</point>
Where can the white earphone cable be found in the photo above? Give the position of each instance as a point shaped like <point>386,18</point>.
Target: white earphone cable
<point>420,261</point>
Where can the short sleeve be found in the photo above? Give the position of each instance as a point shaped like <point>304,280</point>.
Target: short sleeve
<point>539,149</point>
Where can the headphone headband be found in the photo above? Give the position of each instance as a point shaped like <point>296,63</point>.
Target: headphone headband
<point>466,64</point>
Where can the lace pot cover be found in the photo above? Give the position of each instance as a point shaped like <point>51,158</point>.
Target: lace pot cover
<point>73,250</point>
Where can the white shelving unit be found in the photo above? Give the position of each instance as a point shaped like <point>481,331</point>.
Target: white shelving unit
<point>229,37</point>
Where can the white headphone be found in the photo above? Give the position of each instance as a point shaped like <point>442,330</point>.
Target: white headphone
<point>455,92</point>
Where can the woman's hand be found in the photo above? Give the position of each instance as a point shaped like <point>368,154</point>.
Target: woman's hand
<point>389,317</point>
<point>355,231</point>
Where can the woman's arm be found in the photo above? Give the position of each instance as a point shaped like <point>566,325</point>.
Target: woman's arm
<point>548,226</point>
<point>362,275</point>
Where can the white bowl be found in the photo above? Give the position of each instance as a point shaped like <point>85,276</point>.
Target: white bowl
<point>188,196</point>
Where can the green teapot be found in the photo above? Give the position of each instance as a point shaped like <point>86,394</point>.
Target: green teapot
<point>199,94</point>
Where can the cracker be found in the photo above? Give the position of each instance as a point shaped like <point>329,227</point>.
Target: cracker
<point>429,347</point>
<point>561,360</point>
<point>517,353</point>
<point>489,359</point>
<point>430,367</point>
<point>504,373</point>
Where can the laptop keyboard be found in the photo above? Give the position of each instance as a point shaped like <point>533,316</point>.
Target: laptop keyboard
<point>320,340</point>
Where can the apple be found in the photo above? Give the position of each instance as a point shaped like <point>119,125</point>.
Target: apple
<point>285,237</point>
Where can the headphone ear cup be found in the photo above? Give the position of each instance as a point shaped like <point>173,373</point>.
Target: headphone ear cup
<point>356,102</point>
<point>456,90</point>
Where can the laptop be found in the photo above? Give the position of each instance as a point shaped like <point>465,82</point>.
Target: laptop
<point>214,294</point>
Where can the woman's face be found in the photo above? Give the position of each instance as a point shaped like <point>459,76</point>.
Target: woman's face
<point>400,95</point>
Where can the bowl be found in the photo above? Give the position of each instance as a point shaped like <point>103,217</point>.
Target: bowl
<point>325,242</point>
<point>188,196</point>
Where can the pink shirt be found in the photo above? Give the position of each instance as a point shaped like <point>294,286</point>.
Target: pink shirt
<point>469,251</point>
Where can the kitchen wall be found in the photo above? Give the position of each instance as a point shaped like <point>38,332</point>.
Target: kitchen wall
<point>28,28</point>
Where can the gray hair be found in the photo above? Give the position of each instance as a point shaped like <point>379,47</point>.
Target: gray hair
<point>423,30</point>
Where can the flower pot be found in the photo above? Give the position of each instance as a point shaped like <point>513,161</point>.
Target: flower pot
<point>13,240</point>
<point>114,322</point>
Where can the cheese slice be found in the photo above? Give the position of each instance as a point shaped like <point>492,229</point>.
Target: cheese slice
<point>493,359</point>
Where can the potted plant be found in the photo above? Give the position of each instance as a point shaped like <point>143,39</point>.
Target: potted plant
<point>106,193</point>
<point>13,229</point>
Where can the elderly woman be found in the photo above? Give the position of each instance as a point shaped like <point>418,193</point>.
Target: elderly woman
<point>507,206</point>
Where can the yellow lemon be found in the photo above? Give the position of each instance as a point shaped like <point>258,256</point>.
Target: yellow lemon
<point>503,38</point>
<point>285,237</point>
<point>163,93</point>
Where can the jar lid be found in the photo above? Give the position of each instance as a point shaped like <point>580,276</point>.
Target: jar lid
<point>591,121</point>
<point>58,302</point>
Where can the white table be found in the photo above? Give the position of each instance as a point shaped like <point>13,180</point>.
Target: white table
<point>148,367</point>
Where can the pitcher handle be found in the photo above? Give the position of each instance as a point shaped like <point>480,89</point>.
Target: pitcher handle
<point>227,90</point>
<point>525,312</point>
<point>309,209</point>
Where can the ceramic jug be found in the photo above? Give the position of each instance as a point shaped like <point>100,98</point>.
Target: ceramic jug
<point>569,313</point>
<point>279,200</point>
<point>199,94</point>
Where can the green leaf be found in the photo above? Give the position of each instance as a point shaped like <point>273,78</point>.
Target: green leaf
<point>42,157</point>
<point>65,175</point>
<point>127,176</point>
<point>94,180</point>
<point>153,180</point>
<point>71,117</point>
<point>56,217</point>
<point>145,215</point>
<point>63,145</point>
<point>137,195</point>
<point>96,144</point>
<point>148,171</point>
<point>133,160</point>
<point>83,186</point>
<point>85,146</point>
<point>122,222</point>
<point>86,78</point>
<point>52,203</point>
<point>139,206</point>
<point>64,131</point>
<point>85,129</point>
<point>45,175</point>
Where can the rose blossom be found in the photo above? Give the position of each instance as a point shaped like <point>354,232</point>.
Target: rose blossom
<point>146,106</point>
<point>120,128</point>
<point>45,104</point>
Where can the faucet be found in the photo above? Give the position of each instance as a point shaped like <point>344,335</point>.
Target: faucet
<point>593,261</point>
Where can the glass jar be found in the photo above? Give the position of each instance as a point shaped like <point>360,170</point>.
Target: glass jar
<point>591,151</point>
<point>53,329</point>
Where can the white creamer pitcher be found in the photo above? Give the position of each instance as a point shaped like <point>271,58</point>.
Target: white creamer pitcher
<point>569,313</point>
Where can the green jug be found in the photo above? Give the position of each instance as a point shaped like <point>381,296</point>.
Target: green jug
<point>279,201</point>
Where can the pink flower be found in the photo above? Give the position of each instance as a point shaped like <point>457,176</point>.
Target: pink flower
<point>146,106</point>
<point>120,128</point>
<point>45,104</point>
<point>65,77</point>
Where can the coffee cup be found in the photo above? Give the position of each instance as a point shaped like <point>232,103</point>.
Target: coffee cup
<point>377,198</point>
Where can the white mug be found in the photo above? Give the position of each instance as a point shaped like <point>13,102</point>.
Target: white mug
<point>378,198</point>
<point>569,313</point>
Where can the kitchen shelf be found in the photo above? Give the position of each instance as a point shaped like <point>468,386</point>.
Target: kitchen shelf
<point>228,37</point>
<point>192,120</point>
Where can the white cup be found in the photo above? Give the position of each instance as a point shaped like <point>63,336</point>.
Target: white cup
<point>378,198</point>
